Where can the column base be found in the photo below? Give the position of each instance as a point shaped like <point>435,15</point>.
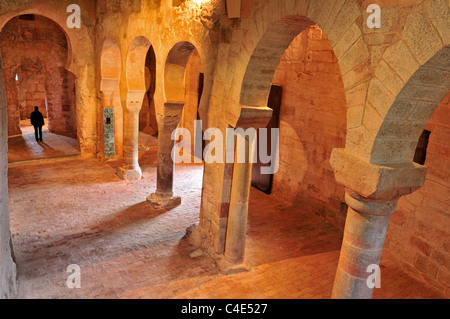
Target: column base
<point>129,174</point>
<point>163,201</point>
<point>228,268</point>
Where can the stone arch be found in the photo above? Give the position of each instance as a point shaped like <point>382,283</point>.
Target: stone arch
<point>341,23</point>
<point>135,64</point>
<point>266,58</point>
<point>69,58</point>
<point>272,27</point>
<point>110,68</point>
<point>174,72</point>
<point>410,82</point>
<point>110,60</point>
<point>411,110</point>
<point>275,31</point>
<point>80,62</point>
<point>132,97</point>
<point>147,115</point>
<point>48,58</point>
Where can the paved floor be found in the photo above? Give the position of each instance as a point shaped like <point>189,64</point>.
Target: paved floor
<point>25,147</point>
<point>78,212</point>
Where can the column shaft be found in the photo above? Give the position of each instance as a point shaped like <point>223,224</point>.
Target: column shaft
<point>130,140</point>
<point>130,169</point>
<point>164,182</point>
<point>163,197</point>
<point>365,231</point>
<point>238,212</point>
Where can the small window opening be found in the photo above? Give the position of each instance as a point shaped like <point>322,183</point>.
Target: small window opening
<point>421,150</point>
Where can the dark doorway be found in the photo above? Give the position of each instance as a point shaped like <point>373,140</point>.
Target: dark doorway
<point>260,181</point>
<point>421,150</point>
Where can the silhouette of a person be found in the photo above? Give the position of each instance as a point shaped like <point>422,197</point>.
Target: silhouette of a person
<point>37,120</point>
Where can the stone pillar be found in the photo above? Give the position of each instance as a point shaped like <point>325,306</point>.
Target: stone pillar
<point>167,123</point>
<point>372,192</point>
<point>234,255</point>
<point>130,169</point>
<point>237,216</point>
<point>365,230</point>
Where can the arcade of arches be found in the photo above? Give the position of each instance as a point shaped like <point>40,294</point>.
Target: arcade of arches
<point>363,147</point>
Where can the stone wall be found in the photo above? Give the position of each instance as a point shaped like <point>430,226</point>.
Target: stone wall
<point>312,123</point>
<point>375,65</point>
<point>420,227</point>
<point>31,90</point>
<point>32,49</point>
<point>7,266</point>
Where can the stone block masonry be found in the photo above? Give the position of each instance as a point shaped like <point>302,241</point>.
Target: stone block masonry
<point>7,265</point>
<point>419,230</point>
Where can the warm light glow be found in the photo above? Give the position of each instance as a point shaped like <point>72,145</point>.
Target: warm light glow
<point>199,1</point>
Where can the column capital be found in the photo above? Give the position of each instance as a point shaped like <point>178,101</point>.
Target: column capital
<point>250,116</point>
<point>170,110</point>
<point>254,117</point>
<point>134,101</point>
<point>378,183</point>
<point>369,207</point>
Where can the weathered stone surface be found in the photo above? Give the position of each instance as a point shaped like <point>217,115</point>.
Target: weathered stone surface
<point>8,285</point>
<point>375,181</point>
<point>163,201</point>
<point>34,64</point>
<point>373,94</point>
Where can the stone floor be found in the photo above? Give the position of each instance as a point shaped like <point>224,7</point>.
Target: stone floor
<point>25,148</point>
<point>76,211</point>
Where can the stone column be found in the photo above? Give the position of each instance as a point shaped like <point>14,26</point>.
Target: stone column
<point>372,192</point>
<point>237,216</point>
<point>365,230</point>
<point>167,123</point>
<point>130,169</point>
<point>234,255</point>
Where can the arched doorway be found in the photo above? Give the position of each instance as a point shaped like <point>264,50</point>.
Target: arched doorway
<point>135,88</point>
<point>182,72</point>
<point>35,51</point>
<point>416,131</point>
<point>308,100</point>
<point>112,113</point>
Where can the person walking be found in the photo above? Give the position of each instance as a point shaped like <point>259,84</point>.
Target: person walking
<point>37,120</point>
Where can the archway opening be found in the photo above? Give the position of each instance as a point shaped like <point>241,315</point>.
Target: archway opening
<point>35,51</point>
<point>148,125</point>
<point>111,113</point>
<point>294,71</point>
<point>177,125</point>
<point>184,81</point>
<point>147,116</point>
<point>416,130</point>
